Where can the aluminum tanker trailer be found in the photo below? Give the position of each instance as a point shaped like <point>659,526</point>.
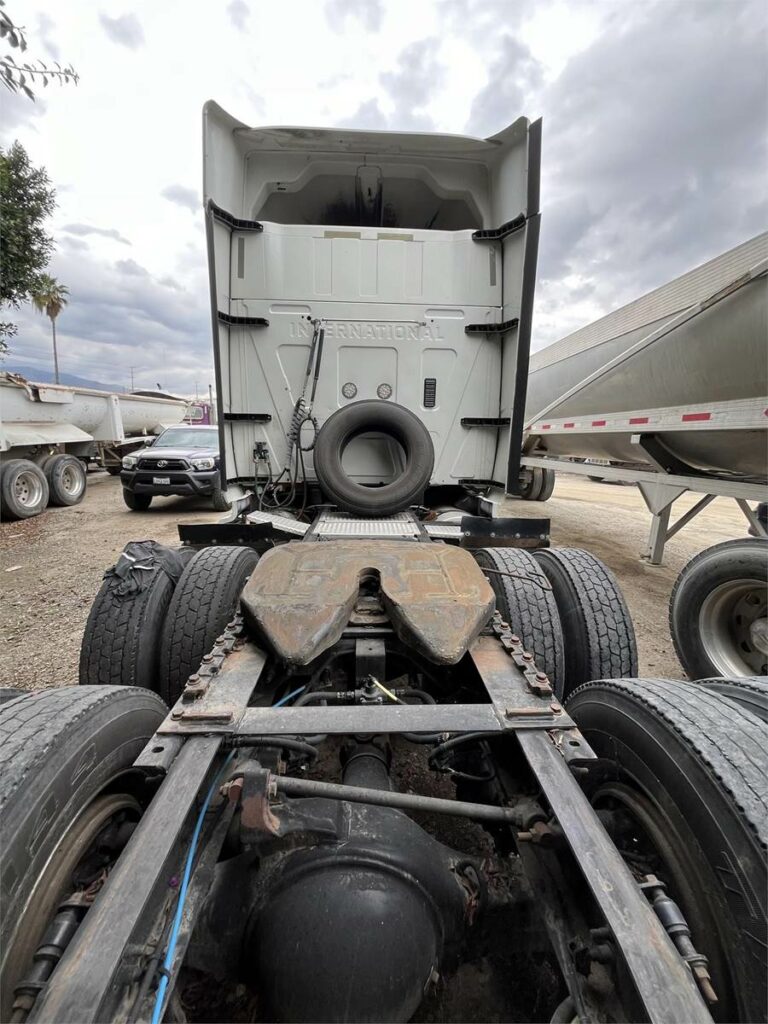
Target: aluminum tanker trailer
<point>669,391</point>
<point>47,430</point>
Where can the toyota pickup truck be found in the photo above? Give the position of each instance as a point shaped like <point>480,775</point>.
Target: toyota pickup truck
<point>181,460</point>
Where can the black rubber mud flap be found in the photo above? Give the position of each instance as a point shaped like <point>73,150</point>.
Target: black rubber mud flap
<point>689,794</point>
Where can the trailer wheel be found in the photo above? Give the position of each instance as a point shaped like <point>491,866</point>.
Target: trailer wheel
<point>23,489</point>
<point>532,487</point>
<point>750,693</point>
<point>66,479</point>
<point>203,603</point>
<point>516,579</point>
<point>65,782</point>
<point>547,486</point>
<point>381,417</point>
<point>718,611</point>
<point>121,640</point>
<point>689,792</point>
<point>598,634</point>
<point>136,502</point>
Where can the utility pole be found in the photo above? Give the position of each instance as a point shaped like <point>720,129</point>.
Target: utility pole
<point>210,402</point>
<point>132,369</point>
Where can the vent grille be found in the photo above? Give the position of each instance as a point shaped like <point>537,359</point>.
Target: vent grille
<point>430,392</point>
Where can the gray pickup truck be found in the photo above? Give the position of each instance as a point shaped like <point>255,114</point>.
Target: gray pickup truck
<point>181,460</point>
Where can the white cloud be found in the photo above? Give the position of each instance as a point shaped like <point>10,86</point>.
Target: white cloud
<point>124,30</point>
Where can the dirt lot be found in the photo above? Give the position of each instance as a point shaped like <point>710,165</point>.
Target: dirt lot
<point>52,565</point>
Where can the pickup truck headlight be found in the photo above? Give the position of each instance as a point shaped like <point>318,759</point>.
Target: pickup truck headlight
<point>130,462</point>
<point>204,463</point>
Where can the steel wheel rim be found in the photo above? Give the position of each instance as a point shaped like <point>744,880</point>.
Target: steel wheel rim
<point>54,883</point>
<point>726,620</point>
<point>28,489</point>
<point>675,870</point>
<point>71,482</point>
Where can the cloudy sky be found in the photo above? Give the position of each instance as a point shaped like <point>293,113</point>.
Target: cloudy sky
<point>655,141</point>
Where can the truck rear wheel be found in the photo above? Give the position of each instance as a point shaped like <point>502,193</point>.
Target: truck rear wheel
<point>598,634</point>
<point>136,502</point>
<point>688,795</point>
<point>375,417</point>
<point>203,603</point>
<point>66,479</point>
<point>718,611</point>
<point>524,600</point>
<point>23,489</point>
<point>750,693</point>
<point>121,640</point>
<point>65,760</point>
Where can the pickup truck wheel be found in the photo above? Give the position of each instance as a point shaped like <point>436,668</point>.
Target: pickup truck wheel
<point>204,601</point>
<point>66,479</point>
<point>750,693</point>
<point>114,470</point>
<point>121,640</point>
<point>598,634</point>
<point>379,417</point>
<point>136,502</point>
<point>23,489</point>
<point>718,611</point>
<point>524,599</point>
<point>65,760</point>
<point>686,793</point>
<point>219,500</point>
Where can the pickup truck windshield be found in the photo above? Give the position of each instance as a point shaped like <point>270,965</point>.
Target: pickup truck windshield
<point>204,437</point>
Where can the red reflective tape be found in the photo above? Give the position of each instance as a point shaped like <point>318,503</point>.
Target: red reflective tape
<point>545,426</point>
<point>566,425</point>
<point>693,417</point>
<point>598,423</point>
<point>639,419</point>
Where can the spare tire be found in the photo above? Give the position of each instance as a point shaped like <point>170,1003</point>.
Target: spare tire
<point>380,417</point>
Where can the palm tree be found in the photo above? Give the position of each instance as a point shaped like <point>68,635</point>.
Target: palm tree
<point>50,298</point>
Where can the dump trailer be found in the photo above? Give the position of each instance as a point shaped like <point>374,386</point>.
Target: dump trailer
<point>362,752</point>
<point>669,392</point>
<point>49,433</point>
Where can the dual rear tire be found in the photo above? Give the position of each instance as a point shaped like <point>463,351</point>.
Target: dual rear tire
<point>156,636</point>
<point>69,801</point>
<point>26,489</point>
<point>687,790</point>
<point>568,610</point>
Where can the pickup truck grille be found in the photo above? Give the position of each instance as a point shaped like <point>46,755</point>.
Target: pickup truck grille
<point>167,464</point>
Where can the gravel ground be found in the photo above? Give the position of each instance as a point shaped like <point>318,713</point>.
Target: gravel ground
<point>52,566</point>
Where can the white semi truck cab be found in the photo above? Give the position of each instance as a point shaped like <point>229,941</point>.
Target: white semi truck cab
<point>378,267</point>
